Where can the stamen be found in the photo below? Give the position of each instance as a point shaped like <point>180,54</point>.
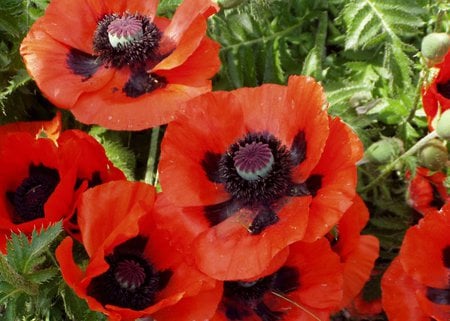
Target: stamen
<point>253,161</point>
<point>32,194</point>
<point>125,30</point>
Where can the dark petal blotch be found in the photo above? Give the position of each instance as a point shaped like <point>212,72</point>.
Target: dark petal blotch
<point>82,64</point>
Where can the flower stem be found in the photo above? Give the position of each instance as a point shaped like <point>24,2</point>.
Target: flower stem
<point>417,96</point>
<point>390,167</point>
<point>151,172</point>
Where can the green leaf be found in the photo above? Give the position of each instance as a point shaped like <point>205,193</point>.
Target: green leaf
<point>21,253</point>
<point>43,275</point>
<point>383,26</point>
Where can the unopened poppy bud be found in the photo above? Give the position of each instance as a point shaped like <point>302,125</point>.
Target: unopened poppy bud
<point>433,155</point>
<point>384,151</point>
<point>435,46</point>
<point>443,125</point>
<point>228,4</point>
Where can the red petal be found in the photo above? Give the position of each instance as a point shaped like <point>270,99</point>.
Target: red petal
<point>398,288</point>
<point>111,108</point>
<point>421,253</point>
<point>221,250</point>
<point>186,141</point>
<point>338,170</point>
<point>204,60</point>
<point>358,265</point>
<point>186,13</point>
<point>120,202</point>
<point>58,83</point>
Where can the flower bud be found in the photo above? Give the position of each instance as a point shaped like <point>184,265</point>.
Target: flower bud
<point>384,151</point>
<point>443,125</point>
<point>434,47</point>
<point>228,4</point>
<point>433,155</point>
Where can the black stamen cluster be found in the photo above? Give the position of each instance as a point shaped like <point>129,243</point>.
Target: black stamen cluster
<point>241,299</point>
<point>31,195</point>
<point>136,53</point>
<point>266,189</point>
<point>107,290</point>
<point>142,82</point>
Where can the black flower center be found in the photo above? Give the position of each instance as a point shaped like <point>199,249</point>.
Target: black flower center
<point>126,40</point>
<point>257,172</point>
<point>256,169</point>
<point>31,195</point>
<point>131,280</point>
<point>242,299</point>
<point>444,89</point>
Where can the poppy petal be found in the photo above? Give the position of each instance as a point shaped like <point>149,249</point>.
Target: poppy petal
<point>204,60</point>
<point>358,265</point>
<point>337,172</point>
<point>82,22</point>
<point>208,130</point>
<point>425,243</point>
<point>398,288</point>
<point>120,202</point>
<point>221,250</point>
<point>59,83</point>
<point>112,108</point>
<point>185,14</point>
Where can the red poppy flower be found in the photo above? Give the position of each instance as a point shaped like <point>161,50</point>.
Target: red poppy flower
<point>427,192</point>
<point>133,270</point>
<point>403,298</point>
<point>265,165</point>
<point>421,273</point>
<point>116,64</point>
<point>37,186</point>
<point>357,252</point>
<point>425,252</point>
<point>42,178</point>
<point>436,98</point>
<point>306,288</point>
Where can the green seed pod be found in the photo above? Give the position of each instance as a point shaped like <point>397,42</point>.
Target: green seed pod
<point>433,155</point>
<point>443,125</point>
<point>384,151</point>
<point>228,4</point>
<point>435,46</point>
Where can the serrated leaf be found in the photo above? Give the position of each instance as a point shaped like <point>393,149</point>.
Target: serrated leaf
<point>383,23</point>
<point>345,93</point>
<point>43,275</point>
<point>22,253</point>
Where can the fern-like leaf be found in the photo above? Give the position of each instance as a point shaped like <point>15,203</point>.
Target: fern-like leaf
<point>373,24</point>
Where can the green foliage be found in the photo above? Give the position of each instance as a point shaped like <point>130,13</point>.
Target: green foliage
<point>167,8</point>
<point>383,25</point>
<point>119,154</point>
<point>17,95</point>
<point>31,286</point>
<point>266,41</point>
